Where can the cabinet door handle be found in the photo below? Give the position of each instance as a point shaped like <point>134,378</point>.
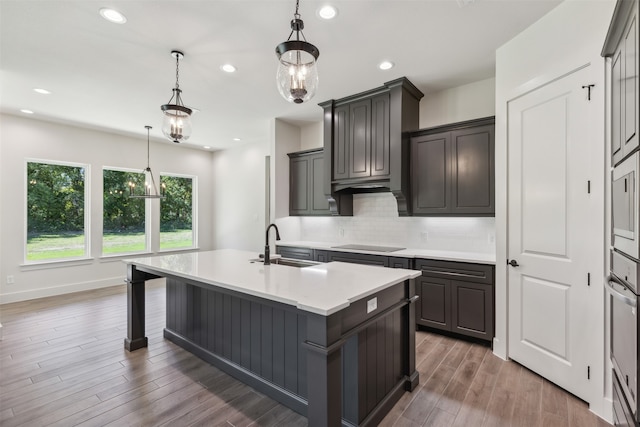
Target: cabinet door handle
<point>513,263</point>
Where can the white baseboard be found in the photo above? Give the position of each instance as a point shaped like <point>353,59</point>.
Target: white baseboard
<point>59,290</point>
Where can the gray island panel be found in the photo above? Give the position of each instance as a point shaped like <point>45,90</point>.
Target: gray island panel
<point>348,367</point>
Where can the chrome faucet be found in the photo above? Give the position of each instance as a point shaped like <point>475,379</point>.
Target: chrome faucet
<point>267,251</point>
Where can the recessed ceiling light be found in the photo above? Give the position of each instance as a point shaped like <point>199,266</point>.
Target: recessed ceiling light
<point>386,65</point>
<point>237,139</point>
<point>206,147</point>
<point>42,91</point>
<point>27,111</point>
<point>112,15</point>
<point>228,68</point>
<point>327,12</point>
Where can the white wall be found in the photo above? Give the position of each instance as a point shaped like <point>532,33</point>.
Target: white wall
<point>22,138</point>
<point>239,197</point>
<point>467,102</point>
<point>571,35</point>
<point>311,135</point>
<point>285,138</point>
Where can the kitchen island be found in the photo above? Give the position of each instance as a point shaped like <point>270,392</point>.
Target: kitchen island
<point>334,342</point>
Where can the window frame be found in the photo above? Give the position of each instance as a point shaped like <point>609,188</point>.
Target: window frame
<point>86,209</point>
<point>147,216</point>
<point>194,212</point>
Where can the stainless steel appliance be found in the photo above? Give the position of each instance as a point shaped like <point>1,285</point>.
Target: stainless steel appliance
<point>625,185</point>
<point>623,289</point>
<point>621,49</point>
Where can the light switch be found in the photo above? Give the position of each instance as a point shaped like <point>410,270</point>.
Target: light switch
<point>372,304</point>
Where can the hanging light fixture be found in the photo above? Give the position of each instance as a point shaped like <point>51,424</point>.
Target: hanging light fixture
<point>177,118</point>
<point>297,75</point>
<point>150,189</point>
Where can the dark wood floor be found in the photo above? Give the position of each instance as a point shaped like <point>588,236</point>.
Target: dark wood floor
<point>62,363</point>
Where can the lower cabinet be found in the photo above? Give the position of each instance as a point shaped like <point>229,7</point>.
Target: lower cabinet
<point>456,297</point>
<point>320,255</point>
<point>295,252</point>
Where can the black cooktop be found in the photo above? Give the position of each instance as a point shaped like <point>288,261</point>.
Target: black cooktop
<point>371,248</point>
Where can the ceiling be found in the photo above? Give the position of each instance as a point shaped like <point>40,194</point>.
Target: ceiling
<point>114,77</point>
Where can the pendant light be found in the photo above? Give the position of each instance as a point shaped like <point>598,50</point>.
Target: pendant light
<point>297,74</point>
<point>150,190</point>
<point>177,118</point>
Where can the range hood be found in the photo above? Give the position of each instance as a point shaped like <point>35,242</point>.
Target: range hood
<point>366,144</point>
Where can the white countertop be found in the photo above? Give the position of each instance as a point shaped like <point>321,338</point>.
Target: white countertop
<point>475,257</point>
<point>322,289</point>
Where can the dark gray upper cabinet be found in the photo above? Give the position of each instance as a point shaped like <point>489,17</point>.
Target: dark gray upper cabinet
<point>341,142</point>
<point>366,136</point>
<point>452,169</point>
<point>621,45</point>
<point>306,183</point>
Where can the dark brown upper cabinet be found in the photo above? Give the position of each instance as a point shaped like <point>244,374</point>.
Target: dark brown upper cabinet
<point>367,146</point>
<point>306,183</point>
<point>621,45</point>
<point>452,169</point>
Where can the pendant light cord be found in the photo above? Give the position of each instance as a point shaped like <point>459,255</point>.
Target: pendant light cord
<point>177,71</point>
<point>148,163</point>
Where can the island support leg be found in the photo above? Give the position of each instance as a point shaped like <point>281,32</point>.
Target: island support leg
<point>135,311</point>
<point>412,376</point>
<point>324,373</point>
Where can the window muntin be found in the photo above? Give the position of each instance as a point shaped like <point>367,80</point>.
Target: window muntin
<point>177,229</point>
<point>123,218</point>
<point>56,211</point>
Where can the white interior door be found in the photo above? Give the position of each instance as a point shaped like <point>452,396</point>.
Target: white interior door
<point>551,231</point>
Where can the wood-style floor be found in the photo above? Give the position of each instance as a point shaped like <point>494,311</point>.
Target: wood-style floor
<point>62,363</point>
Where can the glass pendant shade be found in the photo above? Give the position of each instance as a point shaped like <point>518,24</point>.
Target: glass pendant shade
<point>176,124</point>
<point>297,74</point>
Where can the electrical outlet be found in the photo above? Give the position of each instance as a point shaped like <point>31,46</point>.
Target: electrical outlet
<point>372,304</point>
<point>492,238</point>
<point>341,232</point>
<point>424,236</point>
<point>10,280</point>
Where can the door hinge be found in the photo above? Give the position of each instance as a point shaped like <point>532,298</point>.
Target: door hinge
<point>589,187</point>
<point>588,372</point>
<point>588,279</point>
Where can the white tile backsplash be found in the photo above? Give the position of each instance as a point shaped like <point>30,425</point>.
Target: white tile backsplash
<point>375,220</point>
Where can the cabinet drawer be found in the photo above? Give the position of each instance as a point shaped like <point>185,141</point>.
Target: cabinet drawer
<point>380,260</point>
<point>297,253</point>
<point>478,273</point>
<point>398,262</point>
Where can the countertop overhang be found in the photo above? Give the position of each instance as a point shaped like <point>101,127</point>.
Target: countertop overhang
<point>321,289</point>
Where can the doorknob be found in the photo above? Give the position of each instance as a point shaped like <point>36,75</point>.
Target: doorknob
<point>513,263</point>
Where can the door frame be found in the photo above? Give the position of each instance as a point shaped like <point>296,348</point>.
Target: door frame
<point>601,376</point>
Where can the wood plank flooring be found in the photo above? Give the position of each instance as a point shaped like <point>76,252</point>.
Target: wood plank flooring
<point>62,363</point>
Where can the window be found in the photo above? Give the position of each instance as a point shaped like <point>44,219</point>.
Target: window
<point>56,211</point>
<point>123,218</point>
<point>176,213</point>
